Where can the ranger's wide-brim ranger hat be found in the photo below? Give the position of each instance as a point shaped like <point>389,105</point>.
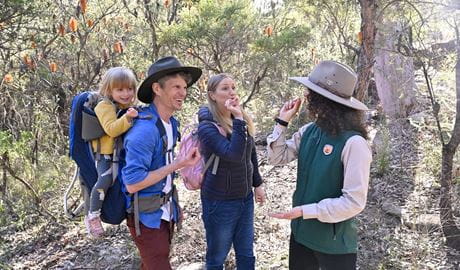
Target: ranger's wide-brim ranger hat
<point>334,81</point>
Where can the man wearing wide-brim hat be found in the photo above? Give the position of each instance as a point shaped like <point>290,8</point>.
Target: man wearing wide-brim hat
<point>333,169</point>
<point>148,173</point>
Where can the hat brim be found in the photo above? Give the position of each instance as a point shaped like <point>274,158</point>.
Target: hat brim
<point>349,102</point>
<point>145,93</point>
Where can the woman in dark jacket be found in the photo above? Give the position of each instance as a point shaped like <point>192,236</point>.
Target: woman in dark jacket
<point>227,193</point>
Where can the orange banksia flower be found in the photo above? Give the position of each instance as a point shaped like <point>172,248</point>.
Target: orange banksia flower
<point>118,47</point>
<point>73,24</point>
<point>83,6</point>
<point>53,67</point>
<point>89,22</point>
<point>8,78</point>
<point>28,61</point>
<point>268,31</point>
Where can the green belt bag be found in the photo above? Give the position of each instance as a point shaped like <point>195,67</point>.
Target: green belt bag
<point>148,204</point>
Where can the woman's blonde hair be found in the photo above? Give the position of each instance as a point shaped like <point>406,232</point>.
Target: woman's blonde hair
<point>218,116</point>
<point>117,77</point>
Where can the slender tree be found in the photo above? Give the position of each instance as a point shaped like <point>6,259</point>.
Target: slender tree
<point>449,227</point>
<point>366,52</point>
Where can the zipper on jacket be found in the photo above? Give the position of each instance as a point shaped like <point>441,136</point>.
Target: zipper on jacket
<point>333,228</point>
<point>246,168</point>
<point>246,165</point>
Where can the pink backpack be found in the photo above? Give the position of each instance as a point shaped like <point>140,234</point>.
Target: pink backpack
<point>193,175</point>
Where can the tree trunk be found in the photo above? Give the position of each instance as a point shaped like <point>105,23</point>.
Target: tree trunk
<point>149,16</point>
<point>449,228</point>
<point>366,52</point>
<point>394,74</point>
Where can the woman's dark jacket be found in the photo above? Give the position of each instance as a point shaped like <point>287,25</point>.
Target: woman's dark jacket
<point>238,169</point>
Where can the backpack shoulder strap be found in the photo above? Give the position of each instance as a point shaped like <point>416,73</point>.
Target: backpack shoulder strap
<point>209,162</point>
<point>162,131</point>
<point>218,126</point>
<point>214,159</point>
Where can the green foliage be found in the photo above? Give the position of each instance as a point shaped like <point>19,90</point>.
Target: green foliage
<point>232,37</point>
<point>334,27</point>
<point>16,148</point>
<point>214,32</point>
<point>217,35</point>
<point>432,159</point>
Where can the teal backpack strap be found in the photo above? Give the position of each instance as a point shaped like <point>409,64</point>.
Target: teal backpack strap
<point>98,149</point>
<point>162,131</point>
<point>214,156</point>
<point>136,214</point>
<point>116,158</point>
<point>209,162</point>
<point>216,165</point>
<point>175,196</point>
<point>213,159</point>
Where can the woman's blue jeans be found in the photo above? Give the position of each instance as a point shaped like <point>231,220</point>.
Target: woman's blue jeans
<point>229,222</point>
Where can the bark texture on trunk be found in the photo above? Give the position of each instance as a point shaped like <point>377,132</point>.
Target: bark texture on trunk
<point>394,74</point>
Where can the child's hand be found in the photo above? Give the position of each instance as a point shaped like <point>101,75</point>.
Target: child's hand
<point>131,113</point>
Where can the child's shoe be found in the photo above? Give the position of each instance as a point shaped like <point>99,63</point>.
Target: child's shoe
<point>94,225</point>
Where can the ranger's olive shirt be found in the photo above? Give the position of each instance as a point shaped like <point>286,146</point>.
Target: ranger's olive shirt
<point>356,158</point>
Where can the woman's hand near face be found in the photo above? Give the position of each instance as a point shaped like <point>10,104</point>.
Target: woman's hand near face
<point>290,109</point>
<point>233,105</point>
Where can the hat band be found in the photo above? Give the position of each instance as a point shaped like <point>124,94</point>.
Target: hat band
<point>333,91</point>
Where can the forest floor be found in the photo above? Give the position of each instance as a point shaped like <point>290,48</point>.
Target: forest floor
<point>399,229</point>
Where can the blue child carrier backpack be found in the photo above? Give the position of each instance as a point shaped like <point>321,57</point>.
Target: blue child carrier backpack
<point>84,127</point>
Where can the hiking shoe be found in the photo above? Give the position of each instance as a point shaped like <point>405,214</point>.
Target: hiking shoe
<point>94,226</point>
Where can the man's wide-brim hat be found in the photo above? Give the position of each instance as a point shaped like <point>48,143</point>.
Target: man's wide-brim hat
<point>334,81</point>
<point>162,67</point>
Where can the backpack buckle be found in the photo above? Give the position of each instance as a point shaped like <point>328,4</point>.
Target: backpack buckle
<point>164,199</point>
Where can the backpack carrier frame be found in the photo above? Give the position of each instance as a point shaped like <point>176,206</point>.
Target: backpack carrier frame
<point>74,208</point>
<point>85,127</point>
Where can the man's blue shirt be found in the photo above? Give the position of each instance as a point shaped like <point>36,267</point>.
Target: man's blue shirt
<point>144,151</point>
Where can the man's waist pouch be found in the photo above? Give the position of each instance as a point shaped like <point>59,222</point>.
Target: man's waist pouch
<point>152,203</point>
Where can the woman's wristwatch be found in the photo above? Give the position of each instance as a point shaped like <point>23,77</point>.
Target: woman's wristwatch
<point>281,122</point>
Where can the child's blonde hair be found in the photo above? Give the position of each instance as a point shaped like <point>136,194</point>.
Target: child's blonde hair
<point>117,77</point>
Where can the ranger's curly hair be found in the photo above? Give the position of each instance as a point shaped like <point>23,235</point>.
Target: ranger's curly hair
<point>333,117</point>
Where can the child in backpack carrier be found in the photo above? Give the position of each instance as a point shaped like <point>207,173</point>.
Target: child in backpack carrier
<point>117,89</point>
